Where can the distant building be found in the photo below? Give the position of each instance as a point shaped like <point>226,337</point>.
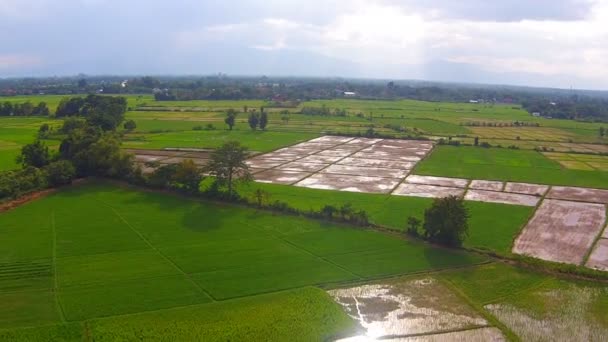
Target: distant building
<point>350,93</point>
<point>536,114</point>
<point>473,101</point>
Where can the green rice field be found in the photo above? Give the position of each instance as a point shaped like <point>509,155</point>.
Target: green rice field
<point>506,165</point>
<point>99,250</point>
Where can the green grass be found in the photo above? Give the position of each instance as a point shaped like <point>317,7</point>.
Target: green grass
<point>505,165</point>
<point>485,230</point>
<point>110,250</point>
<point>254,140</point>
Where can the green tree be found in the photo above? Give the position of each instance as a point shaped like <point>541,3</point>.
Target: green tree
<point>413,224</point>
<point>70,124</point>
<point>263,121</point>
<point>253,120</point>
<point>187,176</point>
<point>106,112</point>
<point>446,221</point>
<point>227,165</point>
<point>35,154</point>
<point>61,172</point>
<point>476,141</point>
<point>44,131</point>
<point>130,125</point>
<point>328,211</point>
<point>105,158</point>
<point>163,176</point>
<point>602,131</point>
<point>230,118</point>
<point>260,196</point>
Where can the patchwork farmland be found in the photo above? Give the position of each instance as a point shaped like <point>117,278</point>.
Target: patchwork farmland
<point>106,261</point>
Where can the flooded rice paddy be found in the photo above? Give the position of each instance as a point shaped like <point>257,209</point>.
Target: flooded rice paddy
<point>412,310</point>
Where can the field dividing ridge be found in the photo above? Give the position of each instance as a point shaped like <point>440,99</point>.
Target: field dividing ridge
<point>197,285</point>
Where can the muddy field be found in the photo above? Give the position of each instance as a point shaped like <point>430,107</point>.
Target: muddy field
<point>561,231</point>
<point>401,308</point>
<point>144,158</point>
<point>579,194</point>
<point>430,191</point>
<point>439,181</point>
<point>526,188</point>
<point>331,162</point>
<point>486,185</point>
<point>599,256</point>
<point>501,197</point>
<point>331,181</point>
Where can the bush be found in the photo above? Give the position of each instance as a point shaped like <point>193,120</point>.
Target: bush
<point>130,125</point>
<point>446,221</point>
<point>61,172</point>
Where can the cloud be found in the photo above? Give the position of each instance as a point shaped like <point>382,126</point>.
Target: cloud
<point>542,41</point>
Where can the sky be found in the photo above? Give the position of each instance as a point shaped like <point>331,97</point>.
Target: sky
<point>550,43</point>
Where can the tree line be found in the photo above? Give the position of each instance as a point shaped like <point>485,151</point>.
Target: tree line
<point>26,108</point>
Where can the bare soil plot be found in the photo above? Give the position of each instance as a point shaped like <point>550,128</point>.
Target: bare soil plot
<point>599,257</point>
<point>264,163</point>
<point>431,191</point>
<point>385,156</point>
<point>501,197</point>
<point>367,141</point>
<point>281,156</point>
<point>145,158</point>
<point>199,155</point>
<point>280,176</point>
<point>486,185</point>
<point>561,231</point>
<point>526,188</point>
<point>301,166</point>
<point>176,160</point>
<point>365,171</point>
<point>300,151</point>
<point>156,152</point>
<point>578,194</point>
<point>320,159</point>
<point>334,153</point>
<point>331,181</point>
<point>315,146</point>
<point>331,139</point>
<point>389,164</point>
<point>406,307</point>
<point>440,181</point>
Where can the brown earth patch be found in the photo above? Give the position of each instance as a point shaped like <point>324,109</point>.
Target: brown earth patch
<point>349,183</point>
<point>365,171</point>
<point>439,181</point>
<point>578,194</point>
<point>561,231</point>
<point>526,188</point>
<point>486,185</point>
<point>280,176</point>
<point>12,204</point>
<point>389,164</point>
<point>599,257</point>
<point>501,197</point>
<point>300,166</point>
<point>430,191</point>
